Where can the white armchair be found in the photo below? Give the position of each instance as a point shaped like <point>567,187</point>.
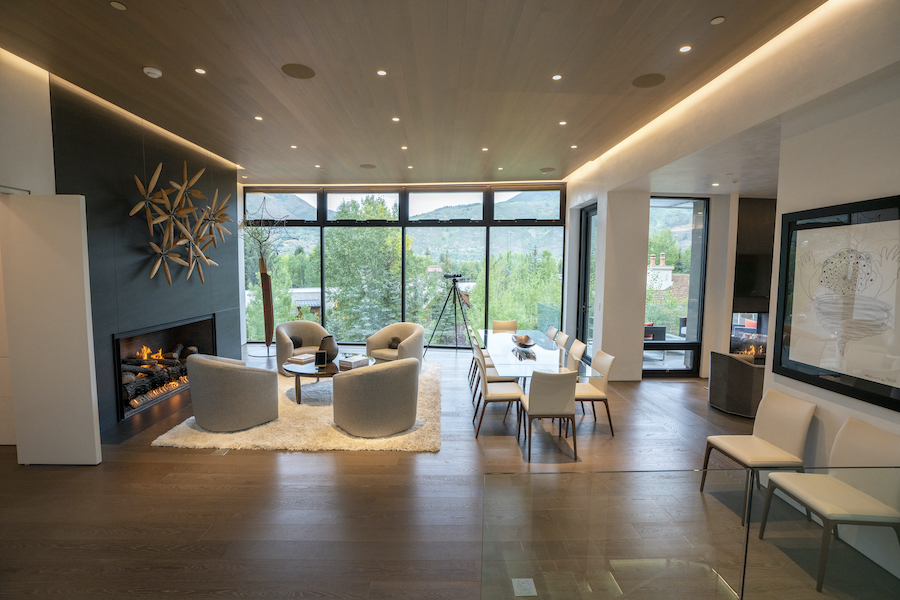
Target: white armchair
<point>309,332</point>
<point>229,396</point>
<point>412,343</point>
<point>377,401</point>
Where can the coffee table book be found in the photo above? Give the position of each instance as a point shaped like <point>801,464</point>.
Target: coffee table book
<point>301,359</point>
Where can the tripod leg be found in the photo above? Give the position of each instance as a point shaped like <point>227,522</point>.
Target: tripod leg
<point>438,322</point>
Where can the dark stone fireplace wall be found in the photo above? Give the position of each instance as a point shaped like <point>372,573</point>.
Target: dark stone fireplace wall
<point>97,152</point>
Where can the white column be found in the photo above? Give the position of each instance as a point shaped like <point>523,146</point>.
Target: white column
<point>50,329</point>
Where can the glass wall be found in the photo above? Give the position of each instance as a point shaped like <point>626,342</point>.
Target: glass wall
<point>526,276</point>
<point>371,257</point>
<point>292,256</point>
<point>432,253</point>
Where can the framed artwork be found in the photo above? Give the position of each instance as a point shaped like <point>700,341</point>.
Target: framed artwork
<point>836,325</point>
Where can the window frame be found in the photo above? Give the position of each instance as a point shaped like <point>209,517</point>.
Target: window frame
<point>403,221</point>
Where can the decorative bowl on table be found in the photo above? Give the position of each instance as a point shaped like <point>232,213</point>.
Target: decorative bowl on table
<point>523,341</point>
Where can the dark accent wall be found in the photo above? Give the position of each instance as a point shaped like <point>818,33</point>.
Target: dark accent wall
<point>97,151</point>
<point>753,263</point>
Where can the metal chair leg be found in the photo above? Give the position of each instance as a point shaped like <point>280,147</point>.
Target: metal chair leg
<point>765,516</point>
<point>827,528</point>
<point>477,404</point>
<point>709,448</point>
<point>574,443</point>
<point>608,416</point>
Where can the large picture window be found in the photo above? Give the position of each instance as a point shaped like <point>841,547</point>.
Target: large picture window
<point>356,261</point>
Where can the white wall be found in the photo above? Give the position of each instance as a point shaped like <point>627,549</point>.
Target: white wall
<point>843,151</point>
<point>26,165</point>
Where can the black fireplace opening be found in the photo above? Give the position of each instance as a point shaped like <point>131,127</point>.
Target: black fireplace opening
<point>151,363</point>
<point>749,335</point>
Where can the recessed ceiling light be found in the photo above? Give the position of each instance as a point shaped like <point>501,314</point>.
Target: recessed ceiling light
<point>395,119</point>
<point>684,49</point>
<point>200,71</point>
<point>318,166</point>
<point>717,21</point>
<point>557,77</point>
<point>298,71</point>
<point>294,147</point>
<point>409,167</point>
<point>118,5</point>
<point>484,149</point>
<point>499,168</point>
<point>152,72</point>
<point>715,185</point>
<point>562,122</point>
<point>258,118</point>
<point>403,148</point>
<point>366,166</point>
<point>573,146</point>
<point>243,177</point>
<point>382,72</point>
<point>649,80</point>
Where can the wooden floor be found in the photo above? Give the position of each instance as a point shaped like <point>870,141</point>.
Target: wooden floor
<point>163,522</point>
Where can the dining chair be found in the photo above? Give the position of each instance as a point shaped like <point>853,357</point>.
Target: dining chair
<point>576,351</point>
<point>846,495</point>
<point>473,371</point>
<point>504,326</point>
<point>501,391</point>
<point>551,332</point>
<point>551,396</point>
<point>488,371</point>
<point>777,442</point>
<point>594,390</point>
<point>562,339</point>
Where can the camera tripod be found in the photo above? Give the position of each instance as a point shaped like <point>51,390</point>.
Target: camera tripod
<point>456,295</point>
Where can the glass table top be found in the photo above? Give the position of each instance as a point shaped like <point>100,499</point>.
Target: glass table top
<point>513,360</point>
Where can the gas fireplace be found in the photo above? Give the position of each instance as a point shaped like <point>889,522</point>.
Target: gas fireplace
<point>749,335</point>
<point>151,363</point>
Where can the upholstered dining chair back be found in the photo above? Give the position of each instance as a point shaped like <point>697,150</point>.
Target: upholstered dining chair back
<point>504,326</point>
<point>859,444</point>
<point>573,358</point>
<point>602,363</point>
<point>552,393</point>
<point>551,332</point>
<point>562,339</point>
<point>783,421</point>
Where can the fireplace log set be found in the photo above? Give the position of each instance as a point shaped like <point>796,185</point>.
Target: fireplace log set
<point>140,376</point>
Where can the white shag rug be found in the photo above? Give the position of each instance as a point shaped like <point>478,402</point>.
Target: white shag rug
<point>310,426</point>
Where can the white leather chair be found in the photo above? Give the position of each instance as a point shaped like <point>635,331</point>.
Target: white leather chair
<point>501,391</point>
<point>551,332</point>
<point>550,396</point>
<point>777,442</point>
<point>504,326</point>
<point>594,390</point>
<point>487,370</point>
<point>562,339</point>
<point>573,357</point>
<point>846,496</point>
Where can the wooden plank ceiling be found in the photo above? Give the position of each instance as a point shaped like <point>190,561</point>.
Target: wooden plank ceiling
<point>462,75</point>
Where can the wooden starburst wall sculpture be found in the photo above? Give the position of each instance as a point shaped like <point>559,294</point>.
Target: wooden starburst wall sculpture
<point>180,225</point>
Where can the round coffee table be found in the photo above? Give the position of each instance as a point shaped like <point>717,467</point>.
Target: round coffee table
<point>311,370</point>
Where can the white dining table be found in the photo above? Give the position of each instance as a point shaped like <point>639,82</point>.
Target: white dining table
<point>512,360</point>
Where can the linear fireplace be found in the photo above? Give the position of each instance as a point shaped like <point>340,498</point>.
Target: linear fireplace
<point>151,362</point>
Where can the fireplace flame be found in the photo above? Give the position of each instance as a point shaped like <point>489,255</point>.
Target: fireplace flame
<point>144,353</point>
<point>753,350</point>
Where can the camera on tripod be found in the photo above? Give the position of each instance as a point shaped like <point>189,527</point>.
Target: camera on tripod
<point>452,275</point>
